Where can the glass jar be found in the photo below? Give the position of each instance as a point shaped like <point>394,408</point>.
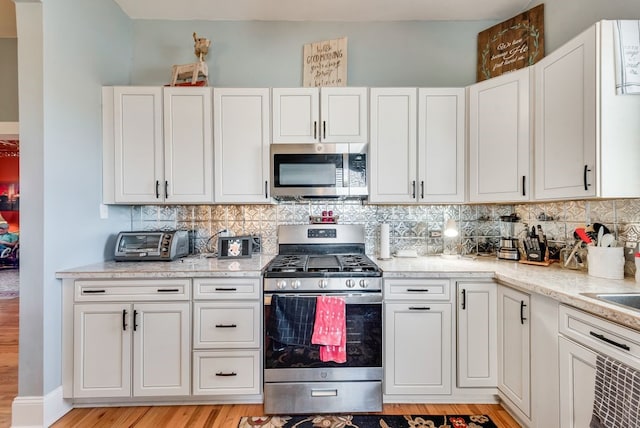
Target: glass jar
<point>577,260</point>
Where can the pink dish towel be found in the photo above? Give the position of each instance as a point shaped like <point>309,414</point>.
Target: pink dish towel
<point>330,329</point>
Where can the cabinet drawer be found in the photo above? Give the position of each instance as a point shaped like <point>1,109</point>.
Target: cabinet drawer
<point>226,372</point>
<point>226,288</point>
<point>416,289</point>
<point>600,335</point>
<point>125,290</point>
<point>226,325</point>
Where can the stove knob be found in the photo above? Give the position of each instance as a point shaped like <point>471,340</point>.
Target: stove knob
<point>281,284</point>
<point>364,283</point>
<point>295,284</point>
<point>351,283</point>
<point>322,283</point>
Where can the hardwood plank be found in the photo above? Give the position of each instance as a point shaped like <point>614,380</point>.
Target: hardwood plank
<point>9,310</point>
<point>228,416</point>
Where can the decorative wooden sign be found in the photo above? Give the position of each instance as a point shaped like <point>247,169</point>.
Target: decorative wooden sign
<point>513,44</point>
<point>325,63</point>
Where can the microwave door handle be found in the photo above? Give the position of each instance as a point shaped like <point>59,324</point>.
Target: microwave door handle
<point>345,170</point>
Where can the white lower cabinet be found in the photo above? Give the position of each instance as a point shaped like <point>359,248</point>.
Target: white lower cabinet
<point>577,384</point>
<point>477,334</point>
<point>582,337</point>
<point>123,350</point>
<point>418,337</point>
<point>514,348</point>
<point>227,336</point>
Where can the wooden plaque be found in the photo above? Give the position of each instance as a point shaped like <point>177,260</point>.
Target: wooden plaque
<point>513,44</point>
<point>325,63</point>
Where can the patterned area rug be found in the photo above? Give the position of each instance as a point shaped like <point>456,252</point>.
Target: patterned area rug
<point>9,283</point>
<point>368,421</point>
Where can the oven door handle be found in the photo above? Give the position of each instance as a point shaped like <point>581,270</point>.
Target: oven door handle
<point>353,298</point>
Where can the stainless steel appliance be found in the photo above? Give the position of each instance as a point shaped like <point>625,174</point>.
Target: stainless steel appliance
<point>508,249</point>
<point>316,260</point>
<point>151,246</point>
<point>319,170</point>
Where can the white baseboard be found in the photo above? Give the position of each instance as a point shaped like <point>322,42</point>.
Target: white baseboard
<point>37,412</point>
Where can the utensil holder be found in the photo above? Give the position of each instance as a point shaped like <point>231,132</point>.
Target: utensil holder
<point>606,262</point>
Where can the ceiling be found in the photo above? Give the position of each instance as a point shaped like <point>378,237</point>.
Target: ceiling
<point>325,10</point>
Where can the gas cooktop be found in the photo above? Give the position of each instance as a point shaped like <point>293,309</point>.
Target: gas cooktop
<point>285,265</point>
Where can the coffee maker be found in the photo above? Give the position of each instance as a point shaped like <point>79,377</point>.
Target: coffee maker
<point>508,248</point>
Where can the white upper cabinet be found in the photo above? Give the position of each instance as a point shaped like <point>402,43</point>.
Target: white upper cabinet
<point>188,145</point>
<point>393,145</point>
<point>441,144</point>
<point>586,139</point>
<point>417,145</point>
<point>312,115</point>
<point>241,135</point>
<point>499,138</point>
<point>157,145</point>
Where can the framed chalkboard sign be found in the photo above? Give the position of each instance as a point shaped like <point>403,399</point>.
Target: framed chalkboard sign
<point>513,44</point>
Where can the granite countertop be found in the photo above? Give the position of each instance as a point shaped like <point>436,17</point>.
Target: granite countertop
<point>562,285</point>
<point>187,267</point>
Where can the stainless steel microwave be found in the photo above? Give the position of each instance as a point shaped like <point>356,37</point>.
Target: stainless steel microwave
<point>319,170</point>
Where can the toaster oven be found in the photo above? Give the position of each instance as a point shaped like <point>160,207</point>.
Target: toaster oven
<point>151,246</point>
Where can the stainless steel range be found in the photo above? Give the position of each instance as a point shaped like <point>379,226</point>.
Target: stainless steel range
<point>322,260</point>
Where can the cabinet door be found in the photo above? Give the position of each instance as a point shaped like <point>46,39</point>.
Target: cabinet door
<point>296,115</point>
<point>134,149</point>
<point>417,348</point>
<point>477,334</point>
<point>499,138</point>
<point>577,384</point>
<point>102,350</point>
<point>393,145</point>
<point>514,365</point>
<point>188,145</point>
<point>441,143</point>
<point>241,124</point>
<point>343,115</point>
<point>161,349</point>
<point>565,137</point>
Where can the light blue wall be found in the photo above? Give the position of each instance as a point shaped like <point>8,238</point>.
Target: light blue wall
<point>269,54</point>
<point>8,79</point>
<point>564,19</point>
<point>83,46</point>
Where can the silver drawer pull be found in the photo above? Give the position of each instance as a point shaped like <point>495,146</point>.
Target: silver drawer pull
<point>324,392</point>
<point>226,374</point>
<point>226,326</point>
<point>417,290</point>
<point>609,341</point>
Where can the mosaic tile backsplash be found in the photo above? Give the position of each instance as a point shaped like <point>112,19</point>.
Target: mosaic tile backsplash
<point>417,227</point>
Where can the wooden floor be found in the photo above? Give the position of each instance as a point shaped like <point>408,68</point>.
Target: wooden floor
<point>8,358</point>
<point>226,416</point>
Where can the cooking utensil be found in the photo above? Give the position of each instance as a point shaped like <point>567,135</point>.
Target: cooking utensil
<point>600,234</point>
<point>582,234</point>
<point>573,253</point>
<point>607,240</point>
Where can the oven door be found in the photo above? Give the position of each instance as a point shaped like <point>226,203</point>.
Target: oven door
<point>294,363</point>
